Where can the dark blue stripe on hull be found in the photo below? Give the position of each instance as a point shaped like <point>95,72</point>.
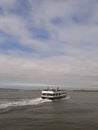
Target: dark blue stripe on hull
<point>53,98</point>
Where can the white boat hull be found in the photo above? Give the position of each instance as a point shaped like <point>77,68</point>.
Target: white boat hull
<point>54,98</point>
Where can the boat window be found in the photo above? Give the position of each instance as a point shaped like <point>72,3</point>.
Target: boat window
<point>47,94</point>
<point>44,93</point>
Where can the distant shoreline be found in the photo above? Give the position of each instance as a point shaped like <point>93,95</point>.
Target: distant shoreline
<point>74,90</point>
<point>84,90</point>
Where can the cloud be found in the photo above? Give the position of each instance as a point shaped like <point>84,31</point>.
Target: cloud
<point>55,70</point>
<point>48,41</point>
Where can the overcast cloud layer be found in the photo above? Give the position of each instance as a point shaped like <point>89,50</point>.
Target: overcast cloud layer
<point>49,42</point>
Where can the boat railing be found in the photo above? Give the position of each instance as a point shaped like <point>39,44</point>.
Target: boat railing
<point>49,89</point>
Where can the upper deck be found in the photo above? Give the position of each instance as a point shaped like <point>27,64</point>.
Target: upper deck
<point>53,91</point>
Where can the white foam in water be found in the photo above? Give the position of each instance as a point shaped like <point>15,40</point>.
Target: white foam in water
<point>24,102</point>
<point>68,97</point>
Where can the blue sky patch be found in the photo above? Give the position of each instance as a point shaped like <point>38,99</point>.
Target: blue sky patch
<point>57,21</point>
<point>22,8</point>
<point>12,45</point>
<point>1,11</point>
<point>40,34</point>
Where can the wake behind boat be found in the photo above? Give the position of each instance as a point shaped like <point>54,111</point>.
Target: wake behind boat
<point>53,94</point>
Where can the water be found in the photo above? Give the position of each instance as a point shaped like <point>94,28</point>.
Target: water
<point>25,110</point>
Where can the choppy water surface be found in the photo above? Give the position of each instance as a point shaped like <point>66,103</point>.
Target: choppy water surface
<point>25,110</point>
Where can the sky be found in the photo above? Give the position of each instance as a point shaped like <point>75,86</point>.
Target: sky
<point>49,42</point>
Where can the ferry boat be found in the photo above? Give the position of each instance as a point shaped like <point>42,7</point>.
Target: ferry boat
<point>53,94</point>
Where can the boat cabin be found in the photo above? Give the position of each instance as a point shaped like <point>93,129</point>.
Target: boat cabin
<point>53,94</point>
